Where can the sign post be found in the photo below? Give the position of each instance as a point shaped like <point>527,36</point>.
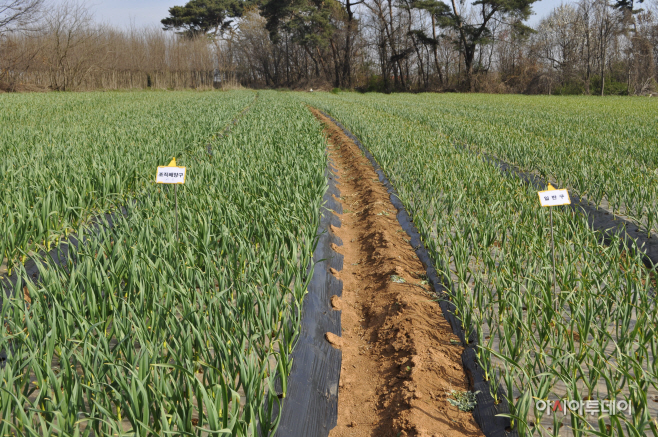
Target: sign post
<point>549,198</point>
<point>172,174</point>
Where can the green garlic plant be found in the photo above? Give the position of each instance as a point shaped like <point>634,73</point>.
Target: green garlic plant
<point>143,334</point>
<point>592,338</point>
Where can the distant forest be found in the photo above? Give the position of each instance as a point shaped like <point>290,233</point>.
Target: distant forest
<point>590,47</point>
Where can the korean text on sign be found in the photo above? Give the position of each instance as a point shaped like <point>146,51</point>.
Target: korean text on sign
<point>554,198</point>
<point>170,175</point>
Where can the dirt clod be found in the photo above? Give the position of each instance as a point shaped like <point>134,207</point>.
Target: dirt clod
<point>336,302</point>
<point>334,340</point>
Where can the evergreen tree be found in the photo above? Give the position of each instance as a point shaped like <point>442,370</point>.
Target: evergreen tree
<point>203,17</point>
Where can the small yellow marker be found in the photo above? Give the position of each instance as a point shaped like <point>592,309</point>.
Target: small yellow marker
<point>172,174</point>
<point>554,197</point>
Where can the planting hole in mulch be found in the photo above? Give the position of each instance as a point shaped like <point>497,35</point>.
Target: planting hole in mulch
<point>399,366</point>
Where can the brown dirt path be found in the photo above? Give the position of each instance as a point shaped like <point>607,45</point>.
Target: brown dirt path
<point>398,362</point>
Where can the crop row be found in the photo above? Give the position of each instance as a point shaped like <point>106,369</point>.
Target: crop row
<point>576,143</point>
<point>68,157</point>
<point>593,337</point>
<point>141,333</point>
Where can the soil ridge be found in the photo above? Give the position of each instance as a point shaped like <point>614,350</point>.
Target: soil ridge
<point>400,356</point>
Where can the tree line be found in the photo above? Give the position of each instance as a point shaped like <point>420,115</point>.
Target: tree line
<point>597,47</point>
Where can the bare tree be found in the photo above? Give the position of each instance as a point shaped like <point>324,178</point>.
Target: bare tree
<point>606,29</point>
<point>379,45</point>
<point>72,49</point>
<point>18,21</point>
<point>19,14</point>
<point>584,30</point>
<point>556,40</point>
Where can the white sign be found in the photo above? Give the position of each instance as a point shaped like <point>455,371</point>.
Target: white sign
<point>170,175</point>
<point>554,197</point>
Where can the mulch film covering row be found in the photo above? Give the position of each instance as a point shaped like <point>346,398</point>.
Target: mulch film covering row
<point>589,337</point>
<point>139,332</point>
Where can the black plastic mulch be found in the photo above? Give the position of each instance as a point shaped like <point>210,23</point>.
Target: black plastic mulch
<point>60,254</point>
<point>310,408</point>
<point>599,219</point>
<point>486,410</point>
<point>12,285</point>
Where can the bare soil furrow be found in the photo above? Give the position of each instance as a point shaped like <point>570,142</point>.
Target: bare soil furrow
<point>399,363</point>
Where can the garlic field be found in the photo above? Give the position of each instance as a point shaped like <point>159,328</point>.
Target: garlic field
<point>594,339</point>
<point>142,332</point>
<point>139,333</point>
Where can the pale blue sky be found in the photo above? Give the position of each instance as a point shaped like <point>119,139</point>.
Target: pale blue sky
<point>120,13</point>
